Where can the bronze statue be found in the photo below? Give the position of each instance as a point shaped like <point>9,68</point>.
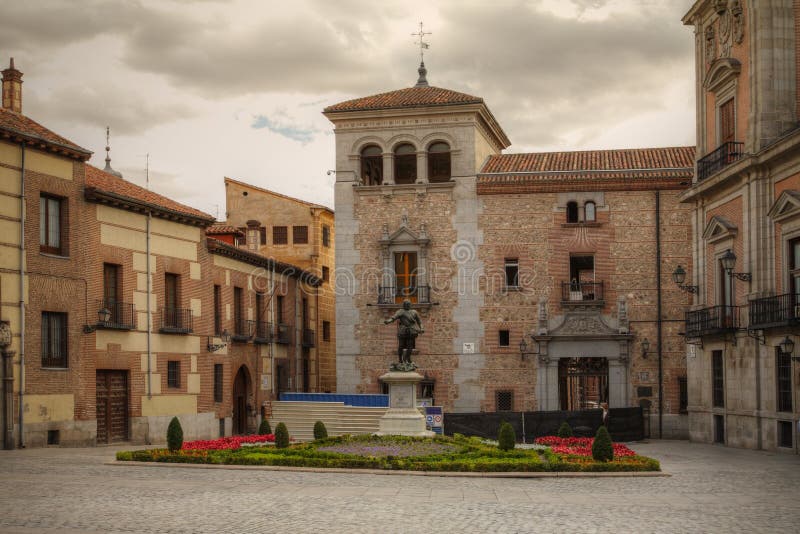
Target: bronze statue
<point>409,328</point>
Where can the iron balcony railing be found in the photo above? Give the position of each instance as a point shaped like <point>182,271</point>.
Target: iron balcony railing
<point>242,330</point>
<point>284,334</point>
<point>581,292</point>
<point>720,158</point>
<point>176,321</point>
<point>781,310</point>
<point>713,320</point>
<point>396,295</point>
<point>308,338</point>
<point>263,333</point>
<point>120,314</point>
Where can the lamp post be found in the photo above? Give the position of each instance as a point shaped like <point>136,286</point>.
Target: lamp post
<point>8,385</point>
<point>225,337</point>
<point>787,347</point>
<point>523,347</point>
<point>729,262</point>
<point>679,277</point>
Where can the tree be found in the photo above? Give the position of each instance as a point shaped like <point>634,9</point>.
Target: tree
<point>320,432</point>
<point>174,435</point>
<point>565,431</point>
<point>281,436</point>
<point>506,437</point>
<point>264,427</point>
<point>602,447</point>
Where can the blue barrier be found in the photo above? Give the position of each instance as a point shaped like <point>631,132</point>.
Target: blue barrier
<point>371,401</point>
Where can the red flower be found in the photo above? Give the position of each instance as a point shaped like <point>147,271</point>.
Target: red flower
<point>579,446</point>
<point>227,443</point>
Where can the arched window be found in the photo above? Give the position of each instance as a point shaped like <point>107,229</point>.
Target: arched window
<point>405,164</point>
<point>589,211</point>
<point>372,165</point>
<point>439,162</point>
<point>572,212</point>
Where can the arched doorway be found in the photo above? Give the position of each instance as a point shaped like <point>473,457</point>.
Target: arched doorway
<point>241,393</point>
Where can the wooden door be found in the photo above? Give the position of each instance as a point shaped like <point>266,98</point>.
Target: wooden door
<point>727,122</point>
<point>112,406</point>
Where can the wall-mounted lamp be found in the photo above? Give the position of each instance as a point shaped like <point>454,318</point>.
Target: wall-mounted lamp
<point>645,347</point>
<point>787,347</point>
<point>330,171</point>
<point>225,337</point>
<point>523,347</point>
<point>679,277</point>
<point>729,262</point>
<point>103,316</point>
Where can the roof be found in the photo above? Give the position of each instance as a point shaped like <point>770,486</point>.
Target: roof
<point>634,168</point>
<point>406,98</point>
<point>280,195</point>
<point>109,189</point>
<point>219,229</point>
<point>17,126</point>
<point>221,248</point>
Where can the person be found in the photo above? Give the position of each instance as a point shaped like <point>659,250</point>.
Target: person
<point>410,326</point>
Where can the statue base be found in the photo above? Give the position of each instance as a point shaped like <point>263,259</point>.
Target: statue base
<point>403,418</point>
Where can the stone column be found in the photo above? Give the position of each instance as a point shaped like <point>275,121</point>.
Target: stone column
<point>388,168</point>
<point>422,167</point>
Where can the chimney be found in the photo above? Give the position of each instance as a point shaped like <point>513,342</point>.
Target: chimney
<point>12,88</point>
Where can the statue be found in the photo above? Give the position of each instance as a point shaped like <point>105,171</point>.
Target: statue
<point>410,327</point>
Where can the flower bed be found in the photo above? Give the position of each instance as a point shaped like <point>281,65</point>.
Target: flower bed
<point>580,446</point>
<point>227,443</point>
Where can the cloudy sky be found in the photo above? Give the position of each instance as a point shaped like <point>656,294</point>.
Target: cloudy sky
<point>214,88</point>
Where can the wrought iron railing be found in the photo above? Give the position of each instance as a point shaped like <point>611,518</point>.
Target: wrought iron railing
<point>394,295</point>
<point>120,314</point>
<point>780,310</point>
<point>284,334</point>
<point>242,330</point>
<point>308,337</point>
<point>264,333</point>
<point>581,292</point>
<point>720,158</point>
<point>713,320</point>
<point>176,321</point>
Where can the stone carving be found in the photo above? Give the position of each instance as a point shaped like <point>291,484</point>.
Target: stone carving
<point>404,218</point>
<point>622,315</point>
<point>738,21</point>
<point>711,45</point>
<point>542,327</point>
<point>725,33</point>
<point>582,324</point>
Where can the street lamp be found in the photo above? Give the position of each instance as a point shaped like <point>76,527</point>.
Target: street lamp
<point>729,262</point>
<point>523,347</point>
<point>103,315</point>
<point>679,277</point>
<point>225,337</point>
<point>787,347</point>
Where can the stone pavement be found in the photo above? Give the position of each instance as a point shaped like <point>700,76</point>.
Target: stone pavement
<point>712,489</point>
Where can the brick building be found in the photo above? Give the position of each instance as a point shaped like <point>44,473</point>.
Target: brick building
<point>745,217</point>
<point>123,312</point>
<point>538,276</point>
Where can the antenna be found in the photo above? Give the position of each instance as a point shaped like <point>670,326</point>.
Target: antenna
<point>147,170</point>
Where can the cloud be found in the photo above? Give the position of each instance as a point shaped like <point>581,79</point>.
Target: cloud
<point>278,126</point>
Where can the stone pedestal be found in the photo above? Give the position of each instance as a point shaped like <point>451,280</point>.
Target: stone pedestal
<point>403,418</point>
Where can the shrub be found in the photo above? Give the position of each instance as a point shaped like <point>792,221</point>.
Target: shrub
<point>281,436</point>
<point>602,448</point>
<point>320,432</point>
<point>174,435</point>
<point>506,438</point>
<point>264,427</point>
<point>565,431</point>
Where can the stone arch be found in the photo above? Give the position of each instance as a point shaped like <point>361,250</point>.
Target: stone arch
<point>243,403</point>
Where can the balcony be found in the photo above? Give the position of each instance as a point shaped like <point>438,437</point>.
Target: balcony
<point>284,334</point>
<point>711,321</point>
<point>176,321</point>
<point>263,333</point>
<point>770,312</point>
<point>582,293</point>
<point>390,295</point>
<point>720,158</point>
<point>119,316</point>
<point>242,330</point>
<point>308,338</point>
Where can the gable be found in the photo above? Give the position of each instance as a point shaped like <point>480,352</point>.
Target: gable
<point>719,228</point>
<point>786,207</point>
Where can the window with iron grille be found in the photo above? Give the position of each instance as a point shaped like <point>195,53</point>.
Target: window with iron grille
<point>280,235</point>
<point>439,162</point>
<point>326,274</point>
<point>504,400</point>
<point>405,164</point>
<point>512,272</point>
<point>263,232</point>
<point>504,338</point>
<point>300,235</point>
<point>173,374</point>
<point>218,382</point>
<point>217,310</point>
<point>279,309</point>
<point>683,395</point>
<point>51,224</point>
<point>326,330</point>
<point>54,339</point>
<point>783,366</point>
<point>718,379</point>
<point>326,235</point>
<point>785,434</point>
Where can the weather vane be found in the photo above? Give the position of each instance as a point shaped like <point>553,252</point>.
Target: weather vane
<point>422,44</point>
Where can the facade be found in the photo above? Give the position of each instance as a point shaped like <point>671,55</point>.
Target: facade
<point>538,276</point>
<point>745,204</point>
<point>299,233</point>
<point>121,307</point>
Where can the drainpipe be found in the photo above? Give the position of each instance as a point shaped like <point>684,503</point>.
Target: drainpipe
<point>147,270</point>
<point>22,302</point>
<point>658,319</point>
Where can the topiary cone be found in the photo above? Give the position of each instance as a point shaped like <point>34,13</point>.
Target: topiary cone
<point>174,435</point>
<point>506,437</point>
<point>320,432</point>
<point>281,436</point>
<point>264,427</point>
<point>602,447</point>
<point>565,431</point>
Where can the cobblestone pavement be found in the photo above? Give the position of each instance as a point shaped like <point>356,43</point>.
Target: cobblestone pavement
<point>712,489</point>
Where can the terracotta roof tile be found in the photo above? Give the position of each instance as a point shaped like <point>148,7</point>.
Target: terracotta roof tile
<point>102,181</point>
<point>218,229</point>
<point>406,98</point>
<point>13,123</point>
<point>626,160</point>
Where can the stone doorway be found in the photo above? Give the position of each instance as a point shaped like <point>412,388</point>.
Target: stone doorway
<point>582,383</point>
<point>242,386</point>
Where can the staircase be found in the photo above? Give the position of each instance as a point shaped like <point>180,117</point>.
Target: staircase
<point>299,418</point>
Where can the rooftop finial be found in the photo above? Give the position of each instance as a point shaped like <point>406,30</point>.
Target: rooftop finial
<point>108,168</point>
<point>11,63</point>
<point>422,80</point>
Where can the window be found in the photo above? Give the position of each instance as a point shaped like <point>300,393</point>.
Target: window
<point>512,272</point>
<point>783,367</point>
<point>54,339</point>
<point>326,330</point>
<point>259,307</point>
<point>504,338</point>
<point>683,395</point>
<point>405,164</point>
<point>717,379</point>
<point>280,235</point>
<point>217,310</point>
<point>111,292</point>
<point>504,401</point>
<point>372,165</point>
<point>218,369</point>
<point>238,312</point>
<point>263,234</point>
<point>51,227</point>
<point>439,162</point>
<point>572,212</point>
<point>173,374</point>
<point>582,285</point>
<point>171,284</point>
<point>253,237</point>
<point>727,121</point>
<point>725,290</point>
<point>589,211</point>
<point>719,429</point>
<point>426,388</point>
<point>300,235</point>
<point>326,235</point>
<point>405,272</point>
<point>326,274</point>
<point>279,309</point>
<point>794,274</point>
<point>785,434</point>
